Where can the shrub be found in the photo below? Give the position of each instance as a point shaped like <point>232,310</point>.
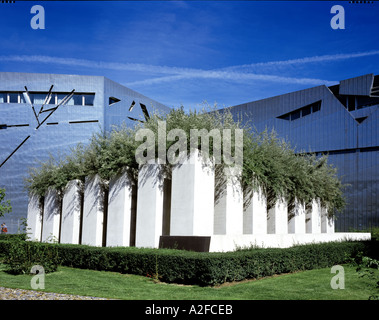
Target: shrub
<point>13,236</point>
<point>364,267</point>
<point>188,267</point>
<point>20,256</point>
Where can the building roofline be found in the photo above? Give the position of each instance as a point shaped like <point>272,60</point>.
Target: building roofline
<point>337,85</point>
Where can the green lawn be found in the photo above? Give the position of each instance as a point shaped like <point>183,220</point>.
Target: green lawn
<point>305,285</point>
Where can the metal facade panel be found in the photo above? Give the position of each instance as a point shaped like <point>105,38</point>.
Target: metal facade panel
<point>353,146</point>
<point>359,172</point>
<point>331,128</point>
<point>118,113</point>
<point>15,81</point>
<point>57,138</point>
<point>357,86</point>
<point>368,130</point>
<point>57,135</point>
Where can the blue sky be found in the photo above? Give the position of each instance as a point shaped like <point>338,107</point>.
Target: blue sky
<point>189,52</point>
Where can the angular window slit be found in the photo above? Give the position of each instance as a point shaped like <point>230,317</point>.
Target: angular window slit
<point>301,112</point>
<point>351,103</point>
<point>17,125</point>
<point>132,105</point>
<point>305,111</point>
<point>84,121</point>
<point>113,100</point>
<point>361,119</point>
<point>47,98</point>
<point>13,98</point>
<point>295,115</point>
<point>88,99</point>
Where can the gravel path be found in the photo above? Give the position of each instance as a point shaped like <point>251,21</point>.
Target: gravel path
<point>21,294</point>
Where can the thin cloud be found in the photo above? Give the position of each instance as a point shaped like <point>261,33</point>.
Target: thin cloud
<point>324,58</point>
<point>231,76</point>
<point>174,72</point>
<point>232,73</point>
<point>139,67</point>
<point>241,72</point>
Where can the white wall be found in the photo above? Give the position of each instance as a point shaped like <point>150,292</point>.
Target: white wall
<point>193,212</point>
<point>313,218</point>
<point>277,218</point>
<point>296,223</point>
<point>327,224</point>
<point>228,208</point>
<point>119,211</point>
<point>149,206</point>
<point>93,212</point>
<point>71,210</point>
<point>192,202</point>
<point>255,214</point>
<point>34,218</point>
<point>51,217</point>
<point>231,243</point>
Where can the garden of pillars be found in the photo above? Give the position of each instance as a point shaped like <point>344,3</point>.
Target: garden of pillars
<point>179,210</point>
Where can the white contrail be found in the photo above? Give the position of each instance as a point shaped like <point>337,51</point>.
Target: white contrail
<point>232,73</point>
<point>231,76</point>
<point>324,58</point>
<point>243,74</point>
<point>139,67</point>
<point>174,72</point>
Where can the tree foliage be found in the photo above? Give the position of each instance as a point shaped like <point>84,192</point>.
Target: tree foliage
<point>268,162</point>
<point>105,154</point>
<point>5,205</point>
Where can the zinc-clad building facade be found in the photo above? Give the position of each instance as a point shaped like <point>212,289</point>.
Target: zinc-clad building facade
<point>342,121</point>
<point>96,104</point>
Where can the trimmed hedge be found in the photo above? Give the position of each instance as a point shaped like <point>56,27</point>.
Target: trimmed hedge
<point>201,268</point>
<point>12,236</point>
<point>21,256</point>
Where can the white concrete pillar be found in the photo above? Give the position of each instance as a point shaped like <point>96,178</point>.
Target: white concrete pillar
<point>93,211</point>
<point>34,218</point>
<point>277,219</point>
<point>119,211</point>
<point>255,214</point>
<point>51,216</point>
<point>313,217</point>
<point>71,208</point>
<point>149,206</point>
<point>228,212</point>
<point>297,222</point>
<point>192,197</point>
<point>327,224</point>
